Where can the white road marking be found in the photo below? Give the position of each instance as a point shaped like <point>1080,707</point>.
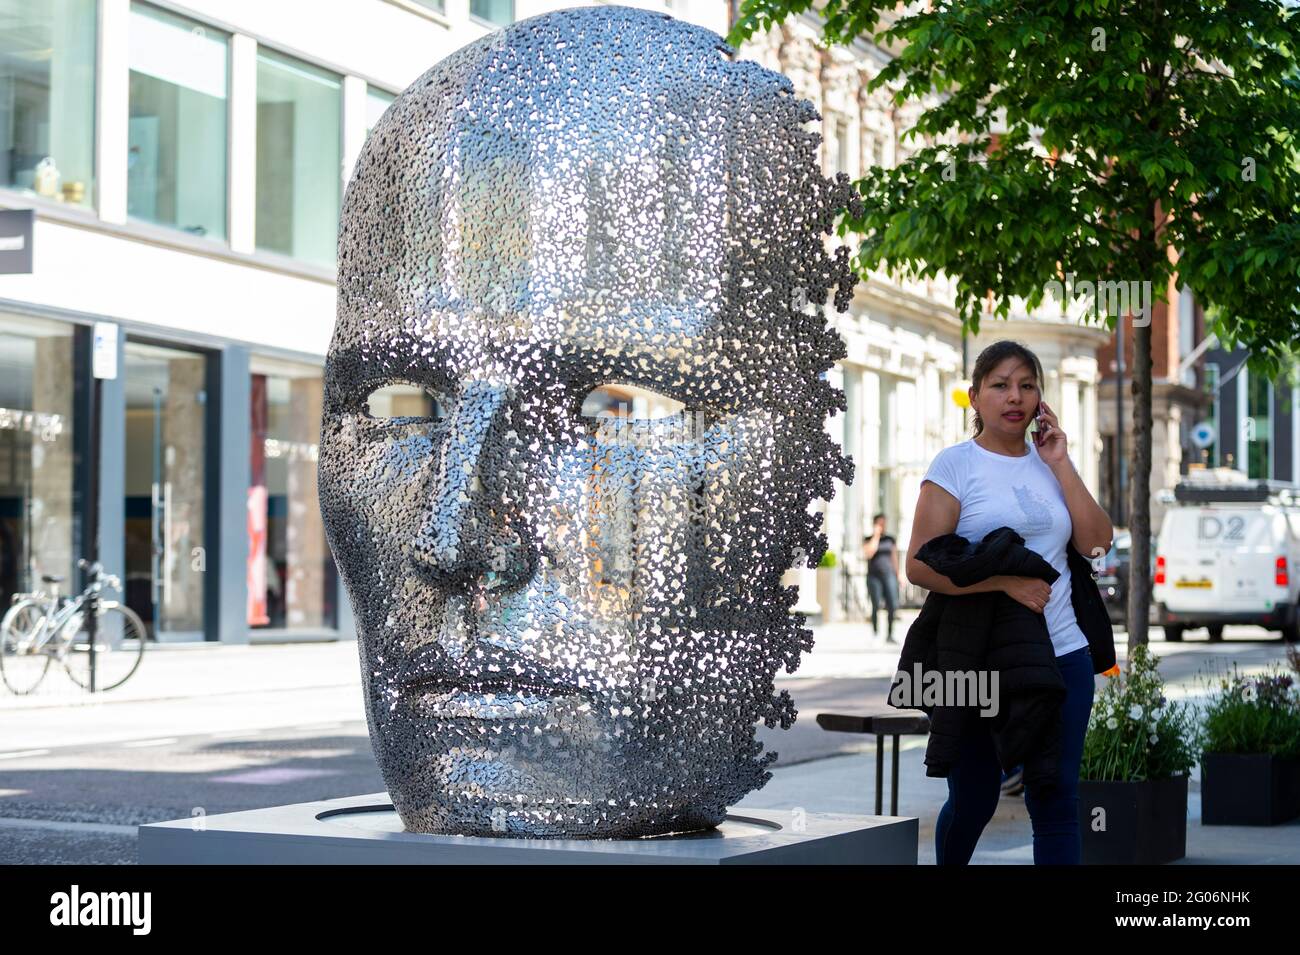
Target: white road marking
<point>101,827</point>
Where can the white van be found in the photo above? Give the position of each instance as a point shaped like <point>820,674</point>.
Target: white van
<point>1229,552</point>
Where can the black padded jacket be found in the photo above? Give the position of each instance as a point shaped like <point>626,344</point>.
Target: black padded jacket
<point>992,632</point>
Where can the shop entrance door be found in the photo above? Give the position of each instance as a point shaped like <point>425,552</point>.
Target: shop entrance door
<point>165,488</point>
<point>38,458</point>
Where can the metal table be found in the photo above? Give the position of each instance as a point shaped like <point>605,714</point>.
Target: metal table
<point>882,725</point>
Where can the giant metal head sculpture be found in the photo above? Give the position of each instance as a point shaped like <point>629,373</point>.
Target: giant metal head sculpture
<point>593,247</point>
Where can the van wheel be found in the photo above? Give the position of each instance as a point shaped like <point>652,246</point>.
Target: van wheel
<point>1174,632</point>
<point>1216,631</point>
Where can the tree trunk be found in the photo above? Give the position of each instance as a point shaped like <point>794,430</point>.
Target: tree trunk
<point>1139,588</point>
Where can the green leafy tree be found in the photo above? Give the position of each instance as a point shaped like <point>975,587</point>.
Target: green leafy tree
<point>1102,142</point>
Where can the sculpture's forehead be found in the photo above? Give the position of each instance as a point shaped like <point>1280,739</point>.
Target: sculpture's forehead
<point>586,52</point>
<point>599,185</point>
<point>570,96</point>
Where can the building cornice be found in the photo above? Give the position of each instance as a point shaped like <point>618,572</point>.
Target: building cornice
<point>893,298</point>
<point>1031,328</point>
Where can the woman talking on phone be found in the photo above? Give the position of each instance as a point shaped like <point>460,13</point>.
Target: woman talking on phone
<point>999,478</point>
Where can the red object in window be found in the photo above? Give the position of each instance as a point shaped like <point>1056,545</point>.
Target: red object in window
<point>1160,569</point>
<point>255,564</point>
<point>1280,577</point>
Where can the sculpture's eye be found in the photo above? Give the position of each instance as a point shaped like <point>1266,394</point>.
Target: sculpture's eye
<point>629,401</point>
<point>404,404</point>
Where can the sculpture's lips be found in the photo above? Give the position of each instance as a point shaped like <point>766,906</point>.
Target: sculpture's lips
<point>430,670</point>
<point>497,700</point>
<point>479,687</point>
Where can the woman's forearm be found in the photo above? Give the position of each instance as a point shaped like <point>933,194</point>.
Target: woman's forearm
<point>924,576</point>
<point>1093,532</point>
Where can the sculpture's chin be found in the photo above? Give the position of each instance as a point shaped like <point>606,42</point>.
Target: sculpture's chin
<point>466,818</point>
<point>563,792</point>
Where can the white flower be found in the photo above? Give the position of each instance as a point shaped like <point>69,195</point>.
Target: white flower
<point>1154,738</point>
<point>1112,723</point>
<point>1135,711</point>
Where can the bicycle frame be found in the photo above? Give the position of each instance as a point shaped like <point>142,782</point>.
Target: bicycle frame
<point>54,620</point>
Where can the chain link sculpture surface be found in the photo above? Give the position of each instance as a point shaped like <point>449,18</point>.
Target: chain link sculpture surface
<point>569,608</point>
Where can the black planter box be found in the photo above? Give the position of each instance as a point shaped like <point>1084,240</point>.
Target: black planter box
<point>1248,790</point>
<point>1146,822</point>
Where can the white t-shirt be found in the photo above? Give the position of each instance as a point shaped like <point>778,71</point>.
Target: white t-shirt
<point>997,490</point>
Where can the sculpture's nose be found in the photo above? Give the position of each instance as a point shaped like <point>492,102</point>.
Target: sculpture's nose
<point>470,528</point>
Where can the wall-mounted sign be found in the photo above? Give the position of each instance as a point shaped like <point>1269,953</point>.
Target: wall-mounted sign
<point>15,241</point>
<point>104,356</point>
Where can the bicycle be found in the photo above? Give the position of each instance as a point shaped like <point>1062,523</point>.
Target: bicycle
<point>41,628</point>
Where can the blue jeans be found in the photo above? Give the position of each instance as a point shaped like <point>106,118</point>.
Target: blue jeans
<point>974,781</point>
<point>882,589</point>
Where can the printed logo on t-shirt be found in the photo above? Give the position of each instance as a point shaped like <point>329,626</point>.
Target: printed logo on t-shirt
<point>1037,511</point>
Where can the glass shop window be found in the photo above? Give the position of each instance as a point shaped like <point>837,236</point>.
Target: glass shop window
<point>291,574</point>
<point>37,455</point>
<point>176,163</point>
<point>500,12</point>
<point>377,101</point>
<point>47,99</point>
<point>299,157</point>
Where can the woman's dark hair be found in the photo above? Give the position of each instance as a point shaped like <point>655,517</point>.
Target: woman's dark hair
<point>994,355</point>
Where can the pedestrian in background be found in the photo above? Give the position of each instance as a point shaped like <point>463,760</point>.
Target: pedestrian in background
<point>881,553</point>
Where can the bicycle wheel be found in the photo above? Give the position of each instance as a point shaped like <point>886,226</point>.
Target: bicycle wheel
<point>119,646</point>
<point>21,669</point>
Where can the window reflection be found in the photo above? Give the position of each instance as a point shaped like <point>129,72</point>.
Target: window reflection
<point>376,102</point>
<point>47,98</point>
<point>500,12</point>
<point>36,454</point>
<point>299,157</point>
<point>166,451</point>
<point>291,574</point>
<point>176,164</point>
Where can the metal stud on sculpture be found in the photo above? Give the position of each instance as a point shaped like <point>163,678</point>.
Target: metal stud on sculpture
<point>592,248</point>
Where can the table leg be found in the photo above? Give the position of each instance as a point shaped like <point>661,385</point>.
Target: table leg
<point>893,787</point>
<point>880,772</point>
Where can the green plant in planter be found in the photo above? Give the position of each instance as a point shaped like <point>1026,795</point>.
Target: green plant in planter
<point>828,559</point>
<point>1250,770</point>
<point>1250,715</point>
<point>1293,658</point>
<point>1134,732</point>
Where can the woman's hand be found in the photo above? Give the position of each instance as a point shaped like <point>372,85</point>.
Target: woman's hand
<point>1049,437</point>
<point>1030,591</point>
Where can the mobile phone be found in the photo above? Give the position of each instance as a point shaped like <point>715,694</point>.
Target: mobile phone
<point>1035,424</point>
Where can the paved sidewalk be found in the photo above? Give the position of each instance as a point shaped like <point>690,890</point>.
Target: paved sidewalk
<point>188,671</point>
<point>847,784</point>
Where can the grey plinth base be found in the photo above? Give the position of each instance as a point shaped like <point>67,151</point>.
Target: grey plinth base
<point>365,830</point>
